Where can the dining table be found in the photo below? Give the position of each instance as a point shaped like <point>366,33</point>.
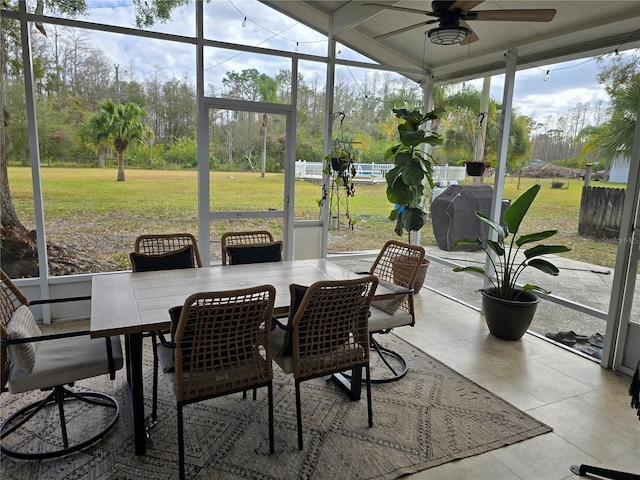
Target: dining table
<point>135,303</point>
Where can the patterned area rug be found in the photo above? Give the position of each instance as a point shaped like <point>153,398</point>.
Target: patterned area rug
<point>430,417</point>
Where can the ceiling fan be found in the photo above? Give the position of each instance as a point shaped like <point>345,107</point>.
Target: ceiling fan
<point>452,17</point>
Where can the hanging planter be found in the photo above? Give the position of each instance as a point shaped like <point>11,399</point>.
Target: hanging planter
<point>476,169</point>
<point>342,163</point>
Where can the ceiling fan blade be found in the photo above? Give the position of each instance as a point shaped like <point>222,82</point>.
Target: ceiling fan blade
<point>525,15</point>
<point>401,9</point>
<point>404,29</point>
<point>465,5</point>
<point>471,37</point>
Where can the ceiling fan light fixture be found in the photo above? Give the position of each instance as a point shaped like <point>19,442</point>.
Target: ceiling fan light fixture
<point>448,34</point>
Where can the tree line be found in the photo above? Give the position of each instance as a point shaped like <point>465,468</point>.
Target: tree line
<point>72,78</point>
<point>77,85</point>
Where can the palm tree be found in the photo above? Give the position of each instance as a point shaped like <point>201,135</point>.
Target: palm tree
<point>614,138</point>
<point>120,125</point>
<point>460,135</point>
<point>269,93</point>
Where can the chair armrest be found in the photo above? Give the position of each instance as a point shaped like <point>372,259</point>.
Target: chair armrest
<point>163,340</point>
<point>41,338</point>
<point>55,336</point>
<point>396,289</point>
<point>275,323</point>
<point>59,300</point>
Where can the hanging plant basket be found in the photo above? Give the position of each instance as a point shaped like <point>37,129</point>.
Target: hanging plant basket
<point>342,163</point>
<point>338,164</point>
<point>476,169</point>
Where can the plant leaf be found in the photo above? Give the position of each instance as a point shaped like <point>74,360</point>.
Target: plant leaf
<point>545,250</point>
<point>412,173</point>
<point>536,288</point>
<point>470,269</point>
<point>514,214</point>
<point>544,266</point>
<point>412,219</point>
<point>496,247</point>
<point>535,237</point>
<point>494,226</point>
<point>411,138</point>
<point>467,241</point>
<point>398,194</point>
<point>403,158</point>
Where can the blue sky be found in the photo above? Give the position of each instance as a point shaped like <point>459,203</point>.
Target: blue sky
<point>566,85</point>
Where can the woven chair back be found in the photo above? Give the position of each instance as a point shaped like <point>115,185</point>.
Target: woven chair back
<point>398,263</point>
<point>160,244</point>
<point>243,238</point>
<point>331,327</point>
<point>223,343</point>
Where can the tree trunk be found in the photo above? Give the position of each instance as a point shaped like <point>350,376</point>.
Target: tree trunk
<point>8,214</point>
<point>102,157</point>
<point>120,166</point>
<point>263,163</point>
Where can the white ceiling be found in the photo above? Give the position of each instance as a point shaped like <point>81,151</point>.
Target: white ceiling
<point>580,29</point>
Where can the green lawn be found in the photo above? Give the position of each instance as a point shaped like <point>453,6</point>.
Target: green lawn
<point>88,209</point>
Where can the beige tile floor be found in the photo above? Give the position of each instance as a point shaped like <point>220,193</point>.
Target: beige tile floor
<point>587,406</point>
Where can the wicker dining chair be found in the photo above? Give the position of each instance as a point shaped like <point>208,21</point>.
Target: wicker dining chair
<point>32,361</point>
<point>254,237</point>
<point>221,346</point>
<point>160,252</point>
<point>166,243</point>
<point>327,333</point>
<point>396,267</point>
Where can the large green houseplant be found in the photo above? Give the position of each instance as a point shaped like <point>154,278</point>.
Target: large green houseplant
<point>413,167</point>
<point>507,265</point>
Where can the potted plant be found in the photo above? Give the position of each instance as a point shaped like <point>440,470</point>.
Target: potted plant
<point>509,308</point>
<point>342,163</point>
<point>413,168</point>
<point>476,169</point>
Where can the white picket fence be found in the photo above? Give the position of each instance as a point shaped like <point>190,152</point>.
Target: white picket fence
<point>375,172</point>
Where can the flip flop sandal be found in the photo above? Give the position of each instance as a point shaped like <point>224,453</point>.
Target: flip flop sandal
<point>558,337</point>
<point>597,340</point>
<point>592,351</point>
<point>573,335</point>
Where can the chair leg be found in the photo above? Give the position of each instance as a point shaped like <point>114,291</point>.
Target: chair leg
<point>58,396</point>
<point>180,443</point>
<point>384,352</point>
<point>154,406</point>
<point>270,394</point>
<point>369,401</point>
<point>299,415</point>
<point>584,470</point>
<point>255,393</point>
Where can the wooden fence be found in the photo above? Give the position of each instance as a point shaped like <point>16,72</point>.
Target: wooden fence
<point>601,212</point>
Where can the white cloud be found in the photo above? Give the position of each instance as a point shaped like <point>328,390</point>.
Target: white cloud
<point>567,84</point>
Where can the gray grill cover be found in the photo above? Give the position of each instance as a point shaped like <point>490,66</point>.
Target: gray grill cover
<point>453,214</point>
